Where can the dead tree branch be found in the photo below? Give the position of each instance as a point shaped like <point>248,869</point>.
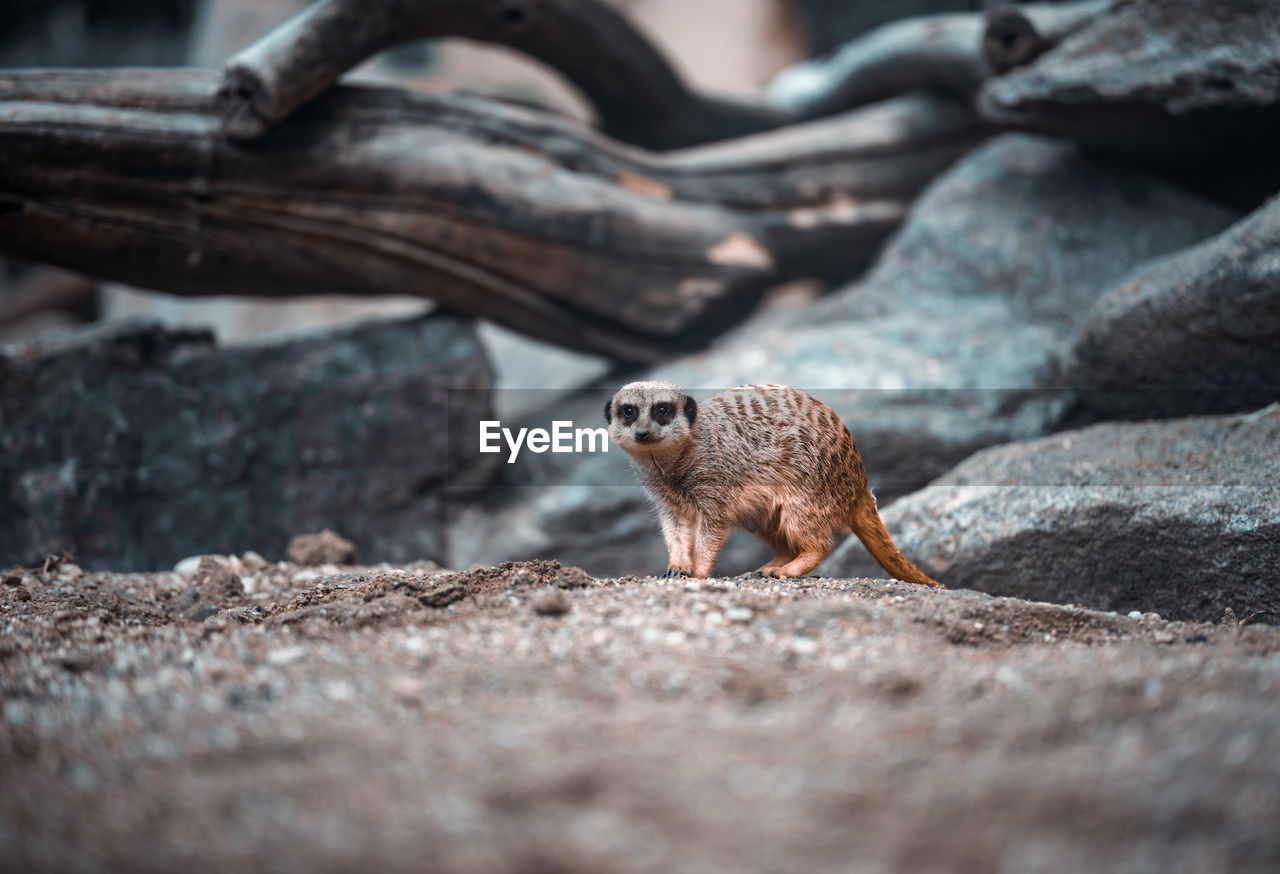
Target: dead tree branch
<point>952,53</point>
<point>638,96</point>
<point>518,216</point>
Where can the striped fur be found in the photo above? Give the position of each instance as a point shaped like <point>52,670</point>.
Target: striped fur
<point>767,458</point>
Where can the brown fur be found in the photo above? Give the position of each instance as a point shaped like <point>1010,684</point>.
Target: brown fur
<point>766,458</point>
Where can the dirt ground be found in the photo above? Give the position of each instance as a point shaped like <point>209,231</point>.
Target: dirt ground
<point>244,716</point>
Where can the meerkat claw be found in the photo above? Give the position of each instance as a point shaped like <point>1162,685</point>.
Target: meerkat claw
<point>672,573</point>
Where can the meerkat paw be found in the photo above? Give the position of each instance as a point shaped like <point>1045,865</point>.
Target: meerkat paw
<point>672,573</point>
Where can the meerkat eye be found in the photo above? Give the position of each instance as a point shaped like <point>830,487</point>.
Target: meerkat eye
<point>628,412</point>
<point>664,413</point>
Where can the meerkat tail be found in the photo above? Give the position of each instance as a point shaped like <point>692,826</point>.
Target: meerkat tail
<point>869,527</point>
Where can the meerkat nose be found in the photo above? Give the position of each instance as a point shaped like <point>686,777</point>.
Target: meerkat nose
<point>642,436</point>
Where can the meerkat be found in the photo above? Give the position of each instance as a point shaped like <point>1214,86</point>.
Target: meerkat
<point>767,458</point>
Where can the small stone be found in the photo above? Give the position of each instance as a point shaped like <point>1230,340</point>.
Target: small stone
<point>251,559</point>
<point>1151,617</point>
<point>217,582</point>
<point>522,577</point>
<point>572,578</point>
<point>739,614</point>
<point>443,595</point>
<point>187,567</point>
<point>285,655</point>
<point>804,646</point>
<point>407,688</point>
<point>327,547</point>
<point>1135,614</point>
<point>552,602</point>
<point>1162,637</point>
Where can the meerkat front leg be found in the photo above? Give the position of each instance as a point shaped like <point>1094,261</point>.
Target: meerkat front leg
<point>679,535</point>
<point>710,536</point>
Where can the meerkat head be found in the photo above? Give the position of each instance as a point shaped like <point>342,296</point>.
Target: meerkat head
<point>651,418</point>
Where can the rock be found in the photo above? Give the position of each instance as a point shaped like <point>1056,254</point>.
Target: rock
<point>326,548</point>
<point>572,578</point>
<point>137,446</point>
<point>1178,518</point>
<point>1196,332</point>
<point>550,603</point>
<point>1188,83</point>
<point>739,614</point>
<point>217,582</point>
<point>187,566</point>
<point>942,350</point>
<point>251,559</point>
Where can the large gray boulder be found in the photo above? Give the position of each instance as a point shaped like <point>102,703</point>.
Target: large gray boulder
<point>1190,84</point>
<point>942,350</point>
<point>1179,517</point>
<point>1196,332</point>
<point>134,446</point>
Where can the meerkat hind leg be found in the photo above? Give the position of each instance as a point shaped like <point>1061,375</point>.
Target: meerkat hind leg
<point>806,561</point>
<point>808,550</point>
<point>786,553</point>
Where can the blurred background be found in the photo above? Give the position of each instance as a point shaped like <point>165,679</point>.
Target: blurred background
<point>727,46</point>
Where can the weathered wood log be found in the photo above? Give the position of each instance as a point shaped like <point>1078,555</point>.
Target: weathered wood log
<point>638,96</point>
<point>949,53</point>
<point>519,216</point>
<point>1190,85</point>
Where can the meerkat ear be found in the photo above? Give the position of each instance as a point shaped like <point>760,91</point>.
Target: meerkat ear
<point>608,411</point>
<point>690,409</point>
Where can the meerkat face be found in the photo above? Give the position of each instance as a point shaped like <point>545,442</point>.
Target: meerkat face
<point>651,418</point>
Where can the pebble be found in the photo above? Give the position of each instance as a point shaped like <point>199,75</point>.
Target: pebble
<point>285,655</point>
<point>1135,614</point>
<point>552,602</point>
<point>253,560</point>
<point>523,577</point>
<point>739,614</point>
<point>187,567</point>
<point>804,646</point>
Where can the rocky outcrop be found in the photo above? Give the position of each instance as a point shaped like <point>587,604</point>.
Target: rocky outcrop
<point>135,446</point>
<point>1196,332</point>
<point>1190,84</point>
<point>942,350</point>
<point>1179,517</point>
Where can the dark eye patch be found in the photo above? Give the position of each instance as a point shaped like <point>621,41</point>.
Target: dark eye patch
<point>663,413</point>
<point>628,412</point>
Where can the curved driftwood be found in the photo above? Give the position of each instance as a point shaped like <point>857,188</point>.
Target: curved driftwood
<point>638,96</point>
<point>501,212</point>
<point>950,53</point>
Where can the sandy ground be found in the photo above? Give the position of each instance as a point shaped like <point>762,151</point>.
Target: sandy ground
<point>254,717</point>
